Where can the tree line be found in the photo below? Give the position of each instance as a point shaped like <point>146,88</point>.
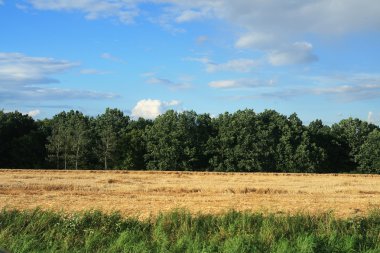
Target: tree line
<point>243,141</point>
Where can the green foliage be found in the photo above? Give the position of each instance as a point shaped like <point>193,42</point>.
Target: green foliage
<point>369,153</point>
<point>134,144</point>
<point>69,139</point>
<point>236,146</point>
<point>22,141</point>
<point>175,141</point>
<point>351,134</point>
<point>239,141</point>
<point>109,129</point>
<point>179,231</point>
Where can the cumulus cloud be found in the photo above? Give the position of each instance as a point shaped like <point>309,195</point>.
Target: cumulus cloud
<point>34,113</point>
<point>370,117</point>
<point>240,83</point>
<point>151,108</point>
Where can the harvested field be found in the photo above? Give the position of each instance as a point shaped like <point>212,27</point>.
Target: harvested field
<point>144,193</point>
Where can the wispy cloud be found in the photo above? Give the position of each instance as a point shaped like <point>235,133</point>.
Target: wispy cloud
<point>343,87</point>
<point>202,39</point>
<point>240,83</point>
<point>93,72</point>
<point>191,15</point>
<point>25,78</point>
<point>19,69</point>
<point>184,83</point>
<point>124,11</point>
<point>348,93</point>
<point>110,57</point>
<point>29,93</point>
<point>235,65</point>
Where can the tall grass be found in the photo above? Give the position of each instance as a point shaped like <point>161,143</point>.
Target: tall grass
<point>179,231</point>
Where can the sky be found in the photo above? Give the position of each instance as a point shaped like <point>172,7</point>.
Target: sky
<point>317,58</point>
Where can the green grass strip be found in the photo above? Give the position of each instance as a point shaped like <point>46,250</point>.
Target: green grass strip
<point>179,231</point>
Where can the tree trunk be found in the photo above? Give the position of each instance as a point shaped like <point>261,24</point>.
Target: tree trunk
<point>65,160</point>
<point>76,157</point>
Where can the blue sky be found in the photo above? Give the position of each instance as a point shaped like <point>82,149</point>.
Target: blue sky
<point>318,58</point>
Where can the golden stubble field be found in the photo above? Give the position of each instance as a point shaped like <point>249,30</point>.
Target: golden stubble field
<point>141,193</point>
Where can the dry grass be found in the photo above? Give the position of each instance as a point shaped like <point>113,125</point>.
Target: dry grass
<point>146,193</point>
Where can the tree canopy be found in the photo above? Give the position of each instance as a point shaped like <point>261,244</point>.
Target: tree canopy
<point>240,141</point>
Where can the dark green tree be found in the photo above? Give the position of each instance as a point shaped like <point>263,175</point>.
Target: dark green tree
<point>78,132</point>
<point>368,156</point>
<point>236,146</point>
<point>271,126</point>
<point>135,144</point>
<point>109,128</point>
<point>173,142</point>
<point>57,145</point>
<point>69,139</point>
<point>350,134</point>
<point>22,141</point>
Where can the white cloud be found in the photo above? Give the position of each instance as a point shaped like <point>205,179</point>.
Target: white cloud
<point>93,72</point>
<point>1,2</point>
<point>343,87</point>
<point>125,11</point>
<point>350,92</point>
<point>151,108</point>
<point>22,77</point>
<point>273,26</point>
<point>52,94</point>
<point>34,113</point>
<point>240,83</point>
<point>348,86</point>
<point>298,53</point>
<point>370,117</point>
<point>183,84</point>
<point>17,68</point>
<point>108,56</point>
<point>201,39</point>
<point>279,17</point>
<point>235,65</point>
<point>255,40</point>
<point>190,15</point>
<point>270,26</point>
